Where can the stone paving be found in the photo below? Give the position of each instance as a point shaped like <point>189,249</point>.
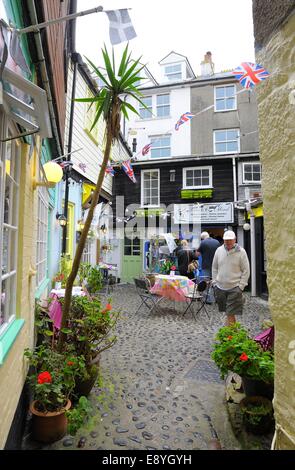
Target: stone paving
<point>160,388</point>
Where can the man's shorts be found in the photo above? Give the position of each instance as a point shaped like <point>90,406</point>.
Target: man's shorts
<point>229,301</point>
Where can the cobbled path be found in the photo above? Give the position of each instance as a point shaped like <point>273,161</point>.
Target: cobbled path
<point>160,388</point>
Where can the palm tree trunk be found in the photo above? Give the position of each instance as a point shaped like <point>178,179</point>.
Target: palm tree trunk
<point>82,241</point>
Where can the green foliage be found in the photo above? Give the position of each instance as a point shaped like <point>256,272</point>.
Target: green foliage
<point>65,268</point>
<point>255,413</point>
<point>53,375</point>
<point>235,351</point>
<point>78,415</point>
<point>110,100</point>
<point>83,272</point>
<point>94,279</point>
<point>43,322</point>
<point>89,327</point>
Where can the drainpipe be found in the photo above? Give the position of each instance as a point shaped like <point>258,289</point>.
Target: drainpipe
<point>74,59</point>
<point>253,249</point>
<point>44,75</point>
<point>234,179</point>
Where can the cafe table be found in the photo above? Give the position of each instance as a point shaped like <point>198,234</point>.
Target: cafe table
<point>172,287</point>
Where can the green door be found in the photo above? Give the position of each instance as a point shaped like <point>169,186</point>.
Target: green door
<point>132,258</point>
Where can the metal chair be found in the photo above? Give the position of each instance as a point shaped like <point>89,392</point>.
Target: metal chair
<point>197,296</point>
<point>148,299</point>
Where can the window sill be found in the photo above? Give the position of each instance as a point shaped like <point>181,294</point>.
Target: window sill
<point>8,338</point>
<point>224,110</point>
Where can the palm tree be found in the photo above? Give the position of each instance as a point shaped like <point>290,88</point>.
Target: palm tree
<point>109,104</point>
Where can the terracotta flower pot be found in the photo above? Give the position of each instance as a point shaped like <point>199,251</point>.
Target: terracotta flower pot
<point>51,426</point>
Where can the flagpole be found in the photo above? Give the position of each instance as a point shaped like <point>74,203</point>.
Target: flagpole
<point>34,28</point>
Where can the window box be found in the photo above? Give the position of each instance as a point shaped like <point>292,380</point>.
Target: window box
<point>196,193</point>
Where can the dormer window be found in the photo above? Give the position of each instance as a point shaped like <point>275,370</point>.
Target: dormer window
<point>173,72</point>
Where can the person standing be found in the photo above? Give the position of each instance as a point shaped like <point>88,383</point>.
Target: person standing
<point>207,249</point>
<point>230,274</point>
<point>185,256</point>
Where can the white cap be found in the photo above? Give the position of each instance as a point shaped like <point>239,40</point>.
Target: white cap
<point>229,235</point>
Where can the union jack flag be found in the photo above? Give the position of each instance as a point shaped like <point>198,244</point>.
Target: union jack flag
<point>110,170</point>
<point>146,149</point>
<point>129,170</point>
<point>183,118</point>
<point>250,74</point>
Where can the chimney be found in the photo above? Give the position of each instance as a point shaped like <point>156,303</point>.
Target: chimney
<point>207,66</point>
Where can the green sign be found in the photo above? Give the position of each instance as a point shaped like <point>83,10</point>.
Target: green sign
<point>196,193</point>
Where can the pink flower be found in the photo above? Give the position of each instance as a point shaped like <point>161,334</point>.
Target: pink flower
<point>173,268</point>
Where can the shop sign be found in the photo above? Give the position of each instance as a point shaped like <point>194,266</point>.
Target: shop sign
<point>218,213</point>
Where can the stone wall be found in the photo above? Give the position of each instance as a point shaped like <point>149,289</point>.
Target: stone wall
<point>277,154</point>
<point>268,16</point>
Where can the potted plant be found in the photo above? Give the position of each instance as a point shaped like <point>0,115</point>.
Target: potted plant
<point>58,278</point>
<point>88,334</point>
<point>235,351</point>
<point>52,380</point>
<point>166,266</point>
<point>257,414</point>
<point>94,280</point>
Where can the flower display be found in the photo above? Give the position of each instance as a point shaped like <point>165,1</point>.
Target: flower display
<point>54,377</point>
<point>234,350</point>
<point>166,266</point>
<point>59,277</point>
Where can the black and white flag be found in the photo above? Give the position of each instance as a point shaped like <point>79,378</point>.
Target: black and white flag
<point>121,28</point>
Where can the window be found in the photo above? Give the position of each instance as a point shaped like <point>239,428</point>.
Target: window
<point>173,72</point>
<point>9,198</point>
<point>161,146</point>
<point>42,235</point>
<point>227,141</point>
<point>143,112</point>
<point>252,172</point>
<point>132,246</point>
<point>197,177</point>
<point>225,98</point>
<point>89,118</point>
<point>150,188</point>
<point>86,256</point>
<point>163,105</point>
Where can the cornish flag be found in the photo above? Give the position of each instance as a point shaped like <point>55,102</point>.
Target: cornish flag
<point>121,28</point>
<point>250,74</point>
<point>129,170</point>
<point>183,118</point>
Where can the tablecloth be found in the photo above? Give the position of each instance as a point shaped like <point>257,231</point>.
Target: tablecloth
<point>172,287</point>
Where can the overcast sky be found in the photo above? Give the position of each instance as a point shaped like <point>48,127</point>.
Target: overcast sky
<point>189,27</point>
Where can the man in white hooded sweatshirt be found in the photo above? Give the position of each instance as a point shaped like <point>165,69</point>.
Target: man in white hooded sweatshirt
<point>230,274</point>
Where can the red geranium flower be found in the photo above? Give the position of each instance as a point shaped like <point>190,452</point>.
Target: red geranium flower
<point>70,363</point>
<point>244,357</point>
<point>44,377</point>
<point>229,337</point>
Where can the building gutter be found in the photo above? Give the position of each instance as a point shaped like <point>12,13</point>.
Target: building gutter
<point>194,159</point>
<point>44,76</point>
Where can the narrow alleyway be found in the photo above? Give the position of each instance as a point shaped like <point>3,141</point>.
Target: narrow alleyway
<point>160,390</point>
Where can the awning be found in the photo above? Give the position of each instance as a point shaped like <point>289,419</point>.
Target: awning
<point>87,190</point>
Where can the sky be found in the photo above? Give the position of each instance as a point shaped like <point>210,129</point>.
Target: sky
<point>189,27</point>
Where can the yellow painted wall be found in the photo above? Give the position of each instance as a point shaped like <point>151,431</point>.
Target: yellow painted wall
<point>277,154</point>
<point>13,371</point>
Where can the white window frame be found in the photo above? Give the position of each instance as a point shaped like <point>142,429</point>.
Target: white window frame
<point>87,252</point>
<point>163,106</point>
<point>243,172</point>
<point>184,177</point>
<point>155,138</point>
<point>150,108</point>
<point>9,296</point>
<point>219,99</point>
<point>168,75</point>
<point>42,236</point>
<point>230,152</point>
<point>143,172</point>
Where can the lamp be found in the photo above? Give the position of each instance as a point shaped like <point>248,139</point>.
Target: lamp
<point>61,219</point>
<point>246,227</point>
<point>53,174</point>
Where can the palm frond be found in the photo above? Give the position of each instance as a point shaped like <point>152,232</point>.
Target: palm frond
<point>129,72</point>
<point>110,71</point>
<point>124,62</point>
<point>98,72</point>
<point>131,108</point>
